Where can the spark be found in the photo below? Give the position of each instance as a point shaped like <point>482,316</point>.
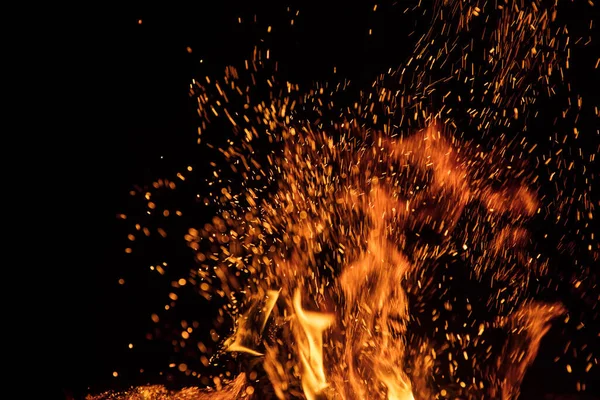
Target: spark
<point>374,247</point>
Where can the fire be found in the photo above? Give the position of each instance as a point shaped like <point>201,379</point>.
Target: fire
<point>365,261</point>
<point>340,327</point>
<point>366,352</point>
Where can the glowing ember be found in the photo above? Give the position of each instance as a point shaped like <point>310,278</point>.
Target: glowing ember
<point>378,249</point>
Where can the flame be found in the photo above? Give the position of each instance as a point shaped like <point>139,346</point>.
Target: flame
<point>310,347</point>
<point>527,326</point>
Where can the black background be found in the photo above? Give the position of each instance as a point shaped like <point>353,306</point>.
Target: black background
<point>135,122</point>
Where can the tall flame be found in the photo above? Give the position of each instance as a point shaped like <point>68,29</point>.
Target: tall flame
<point>310,347</point>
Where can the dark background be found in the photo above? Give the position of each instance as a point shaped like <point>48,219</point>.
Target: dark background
<point>136,122</point>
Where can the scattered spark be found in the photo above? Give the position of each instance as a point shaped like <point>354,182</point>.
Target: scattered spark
<point>377,247</point>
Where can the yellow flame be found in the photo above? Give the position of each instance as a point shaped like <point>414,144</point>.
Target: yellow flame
<point>310,347</point>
